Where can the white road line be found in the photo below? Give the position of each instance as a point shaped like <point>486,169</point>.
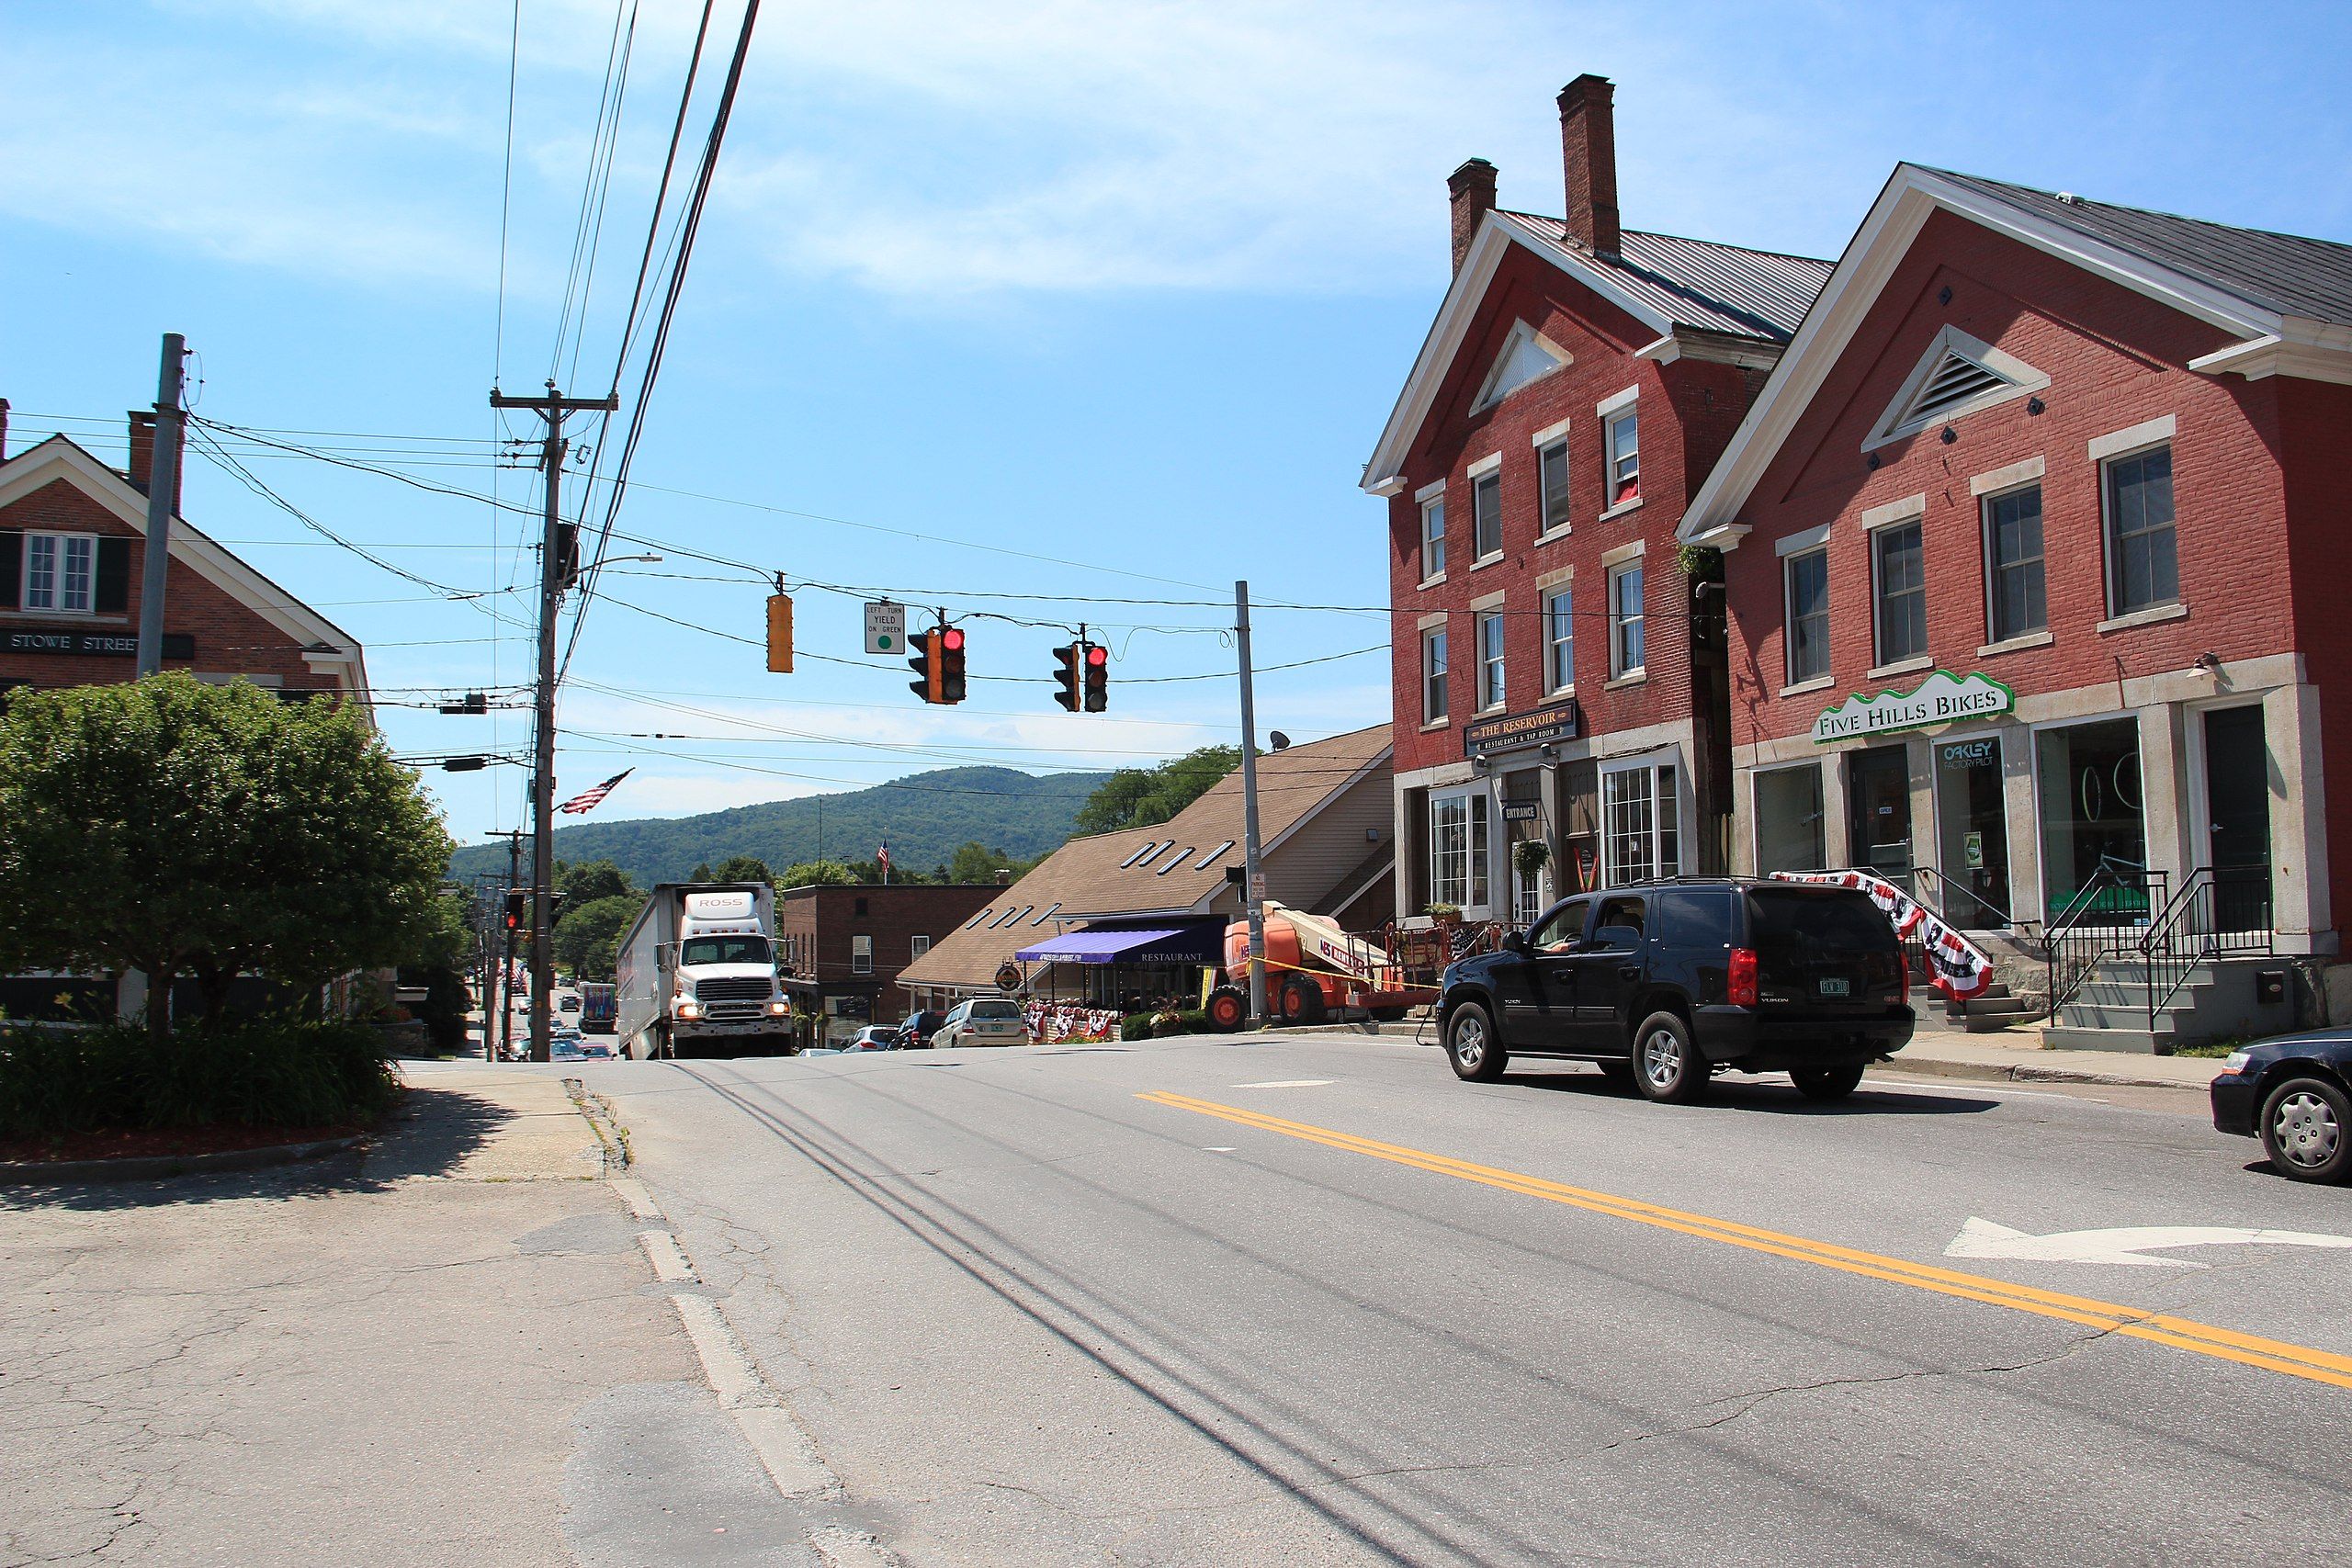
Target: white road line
<point>1287,1083</point>
<point>1220,1150</point>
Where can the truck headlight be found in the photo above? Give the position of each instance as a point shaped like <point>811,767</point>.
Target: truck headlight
<point>2235,1062</point>
<point>688,1010</point>
<point>778,1008</point>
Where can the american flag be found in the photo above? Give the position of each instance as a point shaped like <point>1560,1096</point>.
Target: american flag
<point>588,800</point>
<point>882,858</point>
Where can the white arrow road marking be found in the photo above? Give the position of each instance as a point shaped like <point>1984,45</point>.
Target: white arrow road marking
<point>2123,1244</point>
<point>1287,1083</point>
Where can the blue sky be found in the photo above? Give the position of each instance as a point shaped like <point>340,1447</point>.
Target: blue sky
<point>1131,286</point>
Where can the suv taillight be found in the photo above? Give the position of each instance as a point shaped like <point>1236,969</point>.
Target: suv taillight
<point>1742,978</point>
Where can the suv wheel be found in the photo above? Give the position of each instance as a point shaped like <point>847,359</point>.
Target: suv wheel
<point>1471,1046</point>
<point>1666,1067</point>
<point>1827,1085</point>
<point>2305,1124</point>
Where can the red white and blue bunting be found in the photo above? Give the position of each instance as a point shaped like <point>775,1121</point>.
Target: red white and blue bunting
<point>1955,966</point>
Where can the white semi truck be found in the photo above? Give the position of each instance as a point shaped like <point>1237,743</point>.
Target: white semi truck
<point>696,975</point>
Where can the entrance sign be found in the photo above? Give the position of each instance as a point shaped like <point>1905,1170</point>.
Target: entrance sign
<point>1562,722</point>
<point>886,626</point>
<point>1943,698</point>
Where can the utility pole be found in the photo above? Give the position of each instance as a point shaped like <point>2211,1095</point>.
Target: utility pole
<point>1254,884</point>
<point>506,957</point>
<point>162,484</point>
<point>550,408</point>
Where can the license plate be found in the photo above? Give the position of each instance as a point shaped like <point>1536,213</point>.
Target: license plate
<point>1836,989</point>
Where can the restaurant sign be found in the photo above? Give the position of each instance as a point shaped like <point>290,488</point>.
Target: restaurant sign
<point>103,645</point>
<point>1536,727</point>
<point>1943,698</point>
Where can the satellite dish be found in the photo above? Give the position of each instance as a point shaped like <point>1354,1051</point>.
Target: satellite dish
<point>1280,741</point>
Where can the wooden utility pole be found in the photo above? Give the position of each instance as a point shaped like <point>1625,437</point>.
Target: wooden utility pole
<point>163,489</point>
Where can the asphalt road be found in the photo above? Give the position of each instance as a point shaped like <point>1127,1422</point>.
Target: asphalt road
<point>1311,1300</point>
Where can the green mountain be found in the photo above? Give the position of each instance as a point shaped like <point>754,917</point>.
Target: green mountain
<point>925,816</point>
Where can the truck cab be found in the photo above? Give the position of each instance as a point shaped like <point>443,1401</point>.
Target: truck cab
<point>697,975</point>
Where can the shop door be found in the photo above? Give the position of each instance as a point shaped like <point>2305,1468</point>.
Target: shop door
<point>1878,812</point>
<point>2237,797</point>
<point>1973,830</point>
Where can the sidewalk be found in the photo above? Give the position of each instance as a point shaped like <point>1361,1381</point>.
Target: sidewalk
<point>398,1353</point>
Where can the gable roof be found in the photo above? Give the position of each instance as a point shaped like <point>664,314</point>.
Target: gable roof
<point>60,458</point>
<point>2288,301</point>
<point>1102,876</point>
<point>1671,285</point>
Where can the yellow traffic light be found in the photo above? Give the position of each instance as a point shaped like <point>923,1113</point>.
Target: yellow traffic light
<point>780,634</point>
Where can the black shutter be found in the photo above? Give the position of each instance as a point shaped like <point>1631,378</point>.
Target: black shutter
<point>112,593</point>
<point>12,568</point>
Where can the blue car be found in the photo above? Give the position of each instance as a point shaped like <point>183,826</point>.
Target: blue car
<point>2295,1094</point>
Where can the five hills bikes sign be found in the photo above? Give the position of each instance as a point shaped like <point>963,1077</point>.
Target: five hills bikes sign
<point>1943,698</point>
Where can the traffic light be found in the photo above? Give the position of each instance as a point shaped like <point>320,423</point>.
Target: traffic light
<point>1098,677</point>
<point>780,634</point>
<point>1067,661</point>
<point>938,664</point>
<point>518,907</point>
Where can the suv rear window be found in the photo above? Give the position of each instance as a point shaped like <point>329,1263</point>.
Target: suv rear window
<point>1803,926</point>
<point>996,1010</point>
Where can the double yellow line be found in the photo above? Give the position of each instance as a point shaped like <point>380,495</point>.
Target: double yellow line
<point>2183,1334</point>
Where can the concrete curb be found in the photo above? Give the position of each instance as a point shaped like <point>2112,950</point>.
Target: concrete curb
<point>147,1168</point>
<point>2024,1072</point>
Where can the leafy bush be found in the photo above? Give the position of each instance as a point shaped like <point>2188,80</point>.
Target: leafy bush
<point>269,1073</point>
<point>1135,1026</point>
<point>1189,1021</point>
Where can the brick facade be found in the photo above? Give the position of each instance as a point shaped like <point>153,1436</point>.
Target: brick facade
<point>817,929</point>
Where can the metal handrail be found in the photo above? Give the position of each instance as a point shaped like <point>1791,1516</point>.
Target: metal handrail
<point>1942,908</point>
<point>2078,939</point>
<point>2196,924</point>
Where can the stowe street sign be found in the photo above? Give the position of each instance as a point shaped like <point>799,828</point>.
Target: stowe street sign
<point>1943,698</point>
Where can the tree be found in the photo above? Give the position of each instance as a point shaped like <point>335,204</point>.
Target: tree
<point>587,941</point>
<point>212,831</point>
<point>975,862</point>
<point>1144,797</point>
<point>816,874</point>
<point>590,880</point>
<point>740,868</point>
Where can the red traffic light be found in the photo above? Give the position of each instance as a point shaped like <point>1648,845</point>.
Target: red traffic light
<point>952,638</point>
<point>1097,654</point>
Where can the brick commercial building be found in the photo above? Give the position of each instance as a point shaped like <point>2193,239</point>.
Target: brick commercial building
<point>843,948</point>
<point>73,535</point>
<point>1551,680</point>
<point>2034,544</point>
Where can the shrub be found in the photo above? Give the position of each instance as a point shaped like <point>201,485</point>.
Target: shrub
<point>1173,1022</point>
<point>258,1073</point>
<point>1135,1026</point>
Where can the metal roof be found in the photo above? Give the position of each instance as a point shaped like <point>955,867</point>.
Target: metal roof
<point>2285,273</point>
<point>1702,284</point>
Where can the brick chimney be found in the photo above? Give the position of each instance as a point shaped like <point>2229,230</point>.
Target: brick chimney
<point>1473,188</point>
<point>142,456</point>
<point>1588,154</point>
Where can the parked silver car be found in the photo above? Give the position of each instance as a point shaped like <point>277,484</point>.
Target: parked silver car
<point>984,1020</point>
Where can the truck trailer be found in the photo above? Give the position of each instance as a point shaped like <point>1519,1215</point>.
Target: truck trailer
<point>599,1007</point>
<point>696,975</point>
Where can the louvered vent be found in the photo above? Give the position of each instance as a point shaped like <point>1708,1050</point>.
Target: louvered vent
<point>1954,382</point>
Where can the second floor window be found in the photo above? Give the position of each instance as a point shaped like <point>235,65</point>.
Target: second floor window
<point>861,954</point>
<point>1902,590</point>
<point>1625,620</point>
<point>1433,675</point>
<point>1552,469</point>
<point>2016,600</point>
<point>918,946</point>
<point>1432,538</point>
<point>1622,441</point>
<point>2142,568</point>
<point>1808,617</point>
<point>1559,640</point>
<point>1486,517</point>
<point>1491,691</point>
<point>60,571</point>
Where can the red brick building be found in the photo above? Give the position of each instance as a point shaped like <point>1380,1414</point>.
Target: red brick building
<point>72,538</point>
<point>1551,680</point>
<point>843,948</point>
<point>2032,548</point>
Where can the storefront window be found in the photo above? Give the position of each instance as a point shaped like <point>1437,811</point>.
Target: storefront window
<point>2093,829</point>
<point>1641,834</point>
<point>1972,817</point>
<point>1789,820</point>
<point>1459,843</point>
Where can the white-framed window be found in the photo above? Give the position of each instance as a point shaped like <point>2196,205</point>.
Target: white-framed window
<point>1460,824</point>
<point>1486,516</point>
<point>2015,599</point>
<point>1641,835</point>
<point>1625,652</point>
<point>1551,477</point>
<point>1432,538</point>
<point>2142,560</point>
<point>1559,640</point>
<point>861,954</point>
<point>1622,452</point>
<point>1899,590</point>
<point>1433,675</point>
<point>61,573</point>
<point>1808,615</point>
<point>1492,693</point>
<point>917,946</point>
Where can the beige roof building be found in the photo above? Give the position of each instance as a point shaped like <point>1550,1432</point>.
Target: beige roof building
<point>1324,824</point>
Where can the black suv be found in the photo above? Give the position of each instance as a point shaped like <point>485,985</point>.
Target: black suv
<point>1665,982</point>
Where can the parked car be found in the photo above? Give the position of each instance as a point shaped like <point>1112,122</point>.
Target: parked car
<point>2294,1092</point>
<point>875,1037</point>
<point>594,1050</point>
<point>1667,983</point>
<point>984,1020</point>
<point>564,1048</point>
<point>915,1034</point>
